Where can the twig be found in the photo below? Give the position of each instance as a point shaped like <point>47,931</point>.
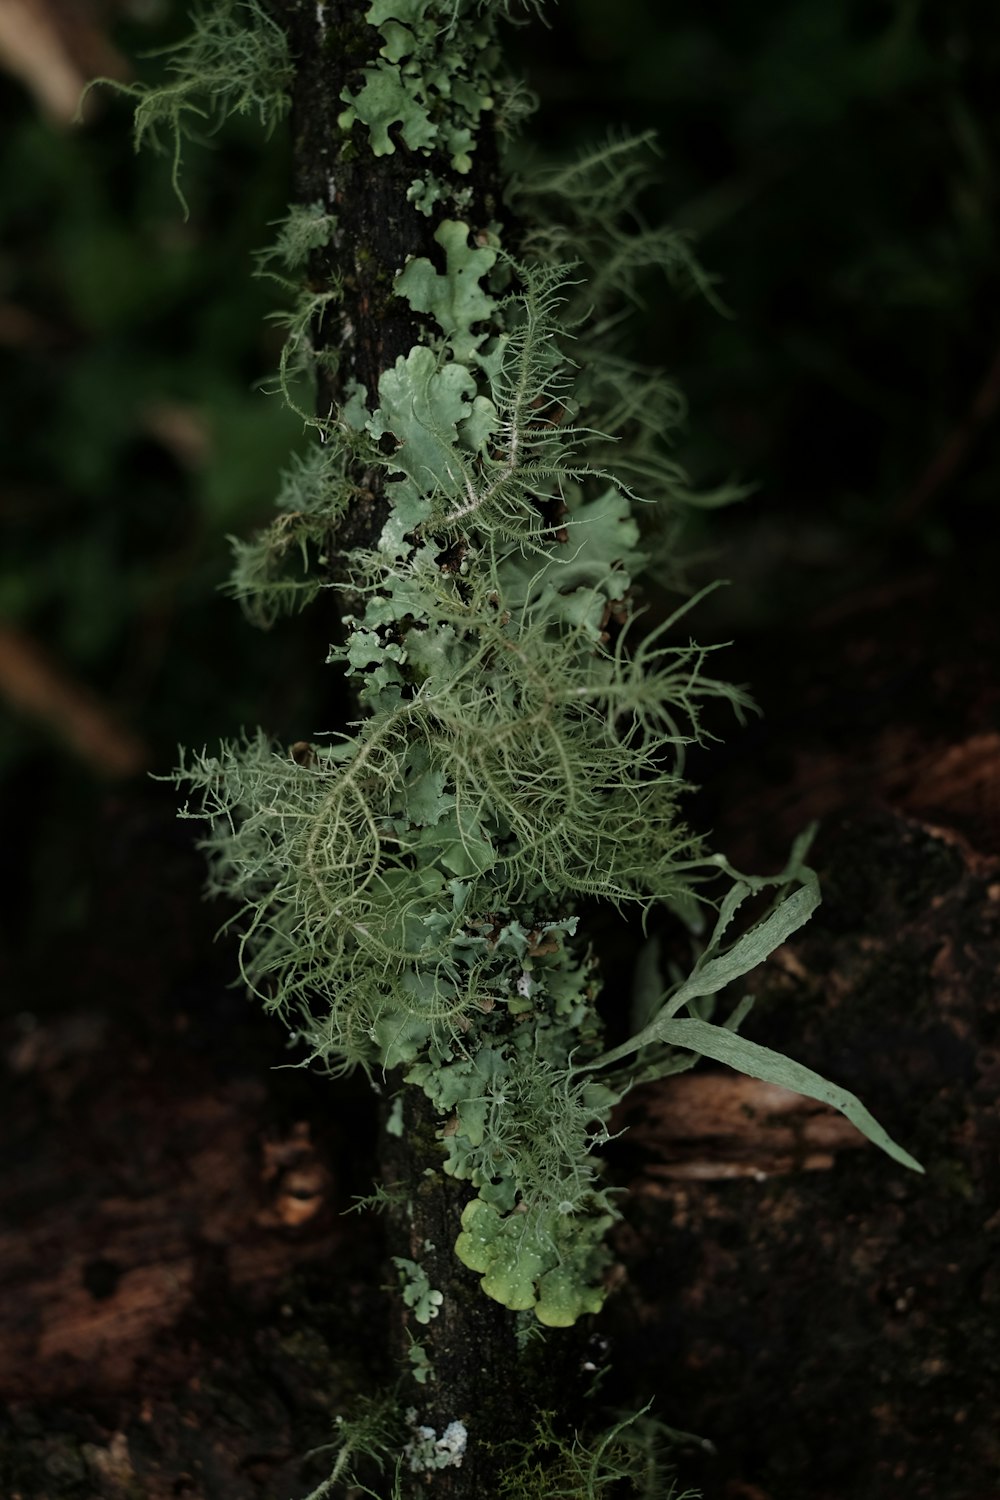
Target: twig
<point>38,688</point>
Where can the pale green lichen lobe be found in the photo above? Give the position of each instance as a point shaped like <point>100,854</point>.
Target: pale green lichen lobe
<point>431,79</point>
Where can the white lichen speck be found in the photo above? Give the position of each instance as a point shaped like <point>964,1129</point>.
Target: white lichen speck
<point>453,1442</point>
<point>426,1450</point>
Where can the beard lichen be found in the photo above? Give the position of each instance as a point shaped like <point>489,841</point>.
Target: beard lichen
<point>234,61</point>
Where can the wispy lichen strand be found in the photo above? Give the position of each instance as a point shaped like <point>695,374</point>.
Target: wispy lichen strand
<point>234,61</point>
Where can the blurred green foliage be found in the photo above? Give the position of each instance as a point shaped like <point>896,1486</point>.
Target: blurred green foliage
<point>137,432</point>
<point>136,437</point>
<point>839,163</point>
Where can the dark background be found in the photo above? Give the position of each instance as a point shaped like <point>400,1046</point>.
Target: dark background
<point>187,1306</point>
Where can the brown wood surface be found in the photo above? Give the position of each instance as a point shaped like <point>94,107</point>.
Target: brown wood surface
<point>177,1277</point>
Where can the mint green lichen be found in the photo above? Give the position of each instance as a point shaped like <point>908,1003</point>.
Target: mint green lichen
<point>418,1294</point>
<point>454,298</point>
<point>306,227</point>
<point>411,891</point>
<point>426,1452</point>
<point>426,192</point>
<point>234,61</point>
<point>430,865</point>
<point>384,101</point>
<point>412,12</point>
<point>432,78</point>
<point>421,404</point>
<point>420,1365</point>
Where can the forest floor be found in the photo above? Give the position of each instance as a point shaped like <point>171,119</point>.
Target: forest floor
<point>186,1305</point>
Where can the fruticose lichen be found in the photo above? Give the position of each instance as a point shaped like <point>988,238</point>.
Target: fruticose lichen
<point>412,890</point>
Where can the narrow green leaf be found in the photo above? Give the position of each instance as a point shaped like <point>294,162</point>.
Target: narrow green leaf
<point>714,973</point>
<point>760,1062</point>
<point>752,948</point>
<point>647,986</point>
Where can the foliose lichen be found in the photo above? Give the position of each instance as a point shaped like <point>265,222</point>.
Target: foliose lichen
<point>432,79</point>
<point>412,889</point>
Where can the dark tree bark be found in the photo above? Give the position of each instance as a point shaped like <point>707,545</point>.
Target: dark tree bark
<point>471,1344</point>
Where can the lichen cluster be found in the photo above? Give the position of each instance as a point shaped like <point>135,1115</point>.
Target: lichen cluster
<point>433,78</point>
<point>412,887</point>
<point>410,890</point>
